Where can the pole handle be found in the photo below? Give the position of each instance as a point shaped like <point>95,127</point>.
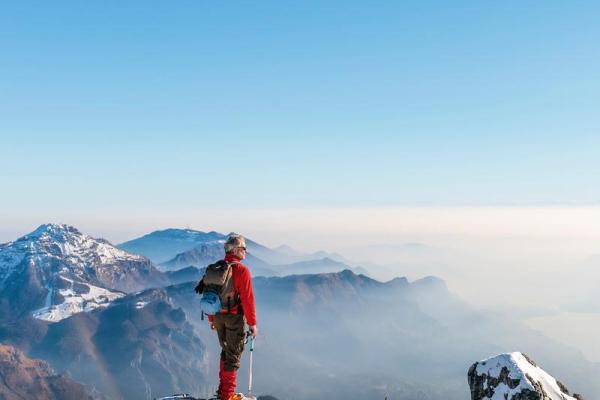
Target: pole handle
<point>250,339</point>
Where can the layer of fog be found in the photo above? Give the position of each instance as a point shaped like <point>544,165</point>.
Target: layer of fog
<point>372,342</point>
<point>533,272</point>
<point>527,262</point>
<point>549,283</point>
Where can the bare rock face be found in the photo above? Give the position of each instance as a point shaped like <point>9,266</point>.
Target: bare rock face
<point>24,378</point>
<point>514,376</point>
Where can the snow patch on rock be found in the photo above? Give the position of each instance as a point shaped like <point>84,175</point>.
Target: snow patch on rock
<point>141,304</point>
<point>96,297</point>
<point>513,375</point>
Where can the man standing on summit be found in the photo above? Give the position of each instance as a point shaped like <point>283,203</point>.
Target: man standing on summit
<point>229,322</point>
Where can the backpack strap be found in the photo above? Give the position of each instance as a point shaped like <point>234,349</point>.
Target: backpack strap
<point>236,298</point>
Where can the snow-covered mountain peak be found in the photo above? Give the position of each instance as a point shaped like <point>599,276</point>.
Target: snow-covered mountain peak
<point>60,240</point>
<point>514,376</point>
<point>56,231</point>
<point>73,272</point>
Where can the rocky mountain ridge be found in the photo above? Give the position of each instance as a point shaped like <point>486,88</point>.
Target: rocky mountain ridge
<point>56,271</point>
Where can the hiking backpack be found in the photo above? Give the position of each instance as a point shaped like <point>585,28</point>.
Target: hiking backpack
<point>217,288</point>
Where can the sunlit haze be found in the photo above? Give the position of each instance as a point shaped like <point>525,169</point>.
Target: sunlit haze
<point>465,246</point>
<point>454,139</point>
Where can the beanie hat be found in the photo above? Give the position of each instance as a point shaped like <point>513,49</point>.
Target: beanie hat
<point>234,241</point>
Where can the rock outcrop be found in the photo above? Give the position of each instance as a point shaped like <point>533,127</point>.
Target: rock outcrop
<point>25,378</point>
<point>514,376</point>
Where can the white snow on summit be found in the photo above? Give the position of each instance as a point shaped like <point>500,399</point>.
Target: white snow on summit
<point>74,303</point>
<point>76,272</point>
<point>60,242</point>
<point>521,368</point>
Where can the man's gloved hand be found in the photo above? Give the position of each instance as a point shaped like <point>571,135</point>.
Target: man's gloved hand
<point>253,331</point>
<point>199,287</point>
<point>212,326</point>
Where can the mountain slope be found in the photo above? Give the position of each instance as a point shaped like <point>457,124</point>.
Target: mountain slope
<point>189,274</point>
<point>199,256</point>
<point>24,378</point>
<point>162,246</point>
<point>210,252</point>
<point>315,266</point>
<point>141,347</point>
<point>314,329</point>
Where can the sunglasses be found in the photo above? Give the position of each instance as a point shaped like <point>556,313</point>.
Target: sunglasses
<point>243,248</point>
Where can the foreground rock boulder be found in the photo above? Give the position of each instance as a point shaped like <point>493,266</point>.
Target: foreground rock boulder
<point>514,376</point>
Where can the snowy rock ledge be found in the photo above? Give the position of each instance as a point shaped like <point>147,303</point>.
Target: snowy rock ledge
<point>514,376</point>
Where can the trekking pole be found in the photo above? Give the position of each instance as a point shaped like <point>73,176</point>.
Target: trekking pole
<point>251,339</point>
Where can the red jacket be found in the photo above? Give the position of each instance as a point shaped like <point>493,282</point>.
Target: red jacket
<point>242,283</point>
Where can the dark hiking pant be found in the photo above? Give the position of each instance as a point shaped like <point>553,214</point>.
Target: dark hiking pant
<point>230,328</point>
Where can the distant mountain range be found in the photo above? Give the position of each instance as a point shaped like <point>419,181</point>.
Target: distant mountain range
<point>168,247</point>
<point>162,246</point>
<point>343,335</point>
<point>57,271</point>
<point>200,249</point>
<point>137,332</point>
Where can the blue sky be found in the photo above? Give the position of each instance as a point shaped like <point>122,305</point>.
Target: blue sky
<point>115,106</point>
